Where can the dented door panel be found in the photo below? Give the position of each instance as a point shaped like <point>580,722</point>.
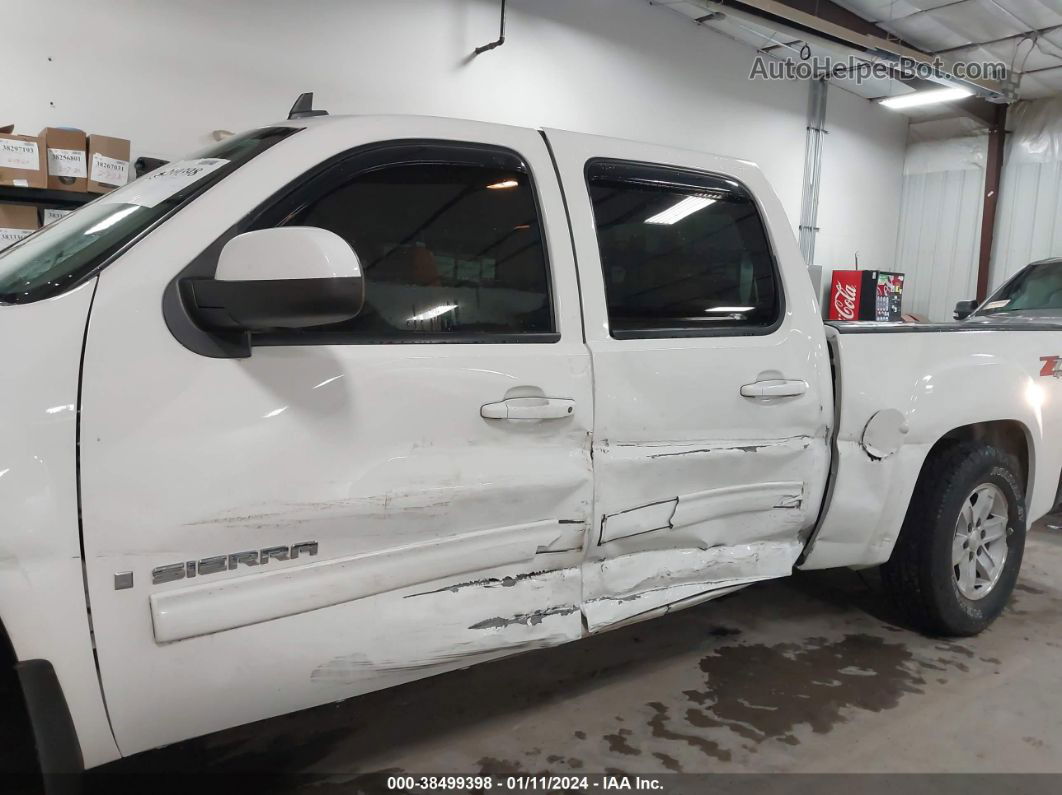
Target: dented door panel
<point>698,487</point>
<point>442,537</point>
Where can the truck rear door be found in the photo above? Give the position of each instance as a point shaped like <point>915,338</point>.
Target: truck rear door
<point>711,382</point>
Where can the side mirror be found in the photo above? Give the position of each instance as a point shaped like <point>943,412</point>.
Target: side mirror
<point>964,309</point>
<point>292,277</point>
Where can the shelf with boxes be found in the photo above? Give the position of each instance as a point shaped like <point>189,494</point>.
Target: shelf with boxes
<point>45,176</point>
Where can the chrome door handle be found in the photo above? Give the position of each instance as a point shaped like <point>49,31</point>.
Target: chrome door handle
<point>774,389</point>
<point>528,408</point>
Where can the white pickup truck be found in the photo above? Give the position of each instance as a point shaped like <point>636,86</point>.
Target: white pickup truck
<point>345,402</point>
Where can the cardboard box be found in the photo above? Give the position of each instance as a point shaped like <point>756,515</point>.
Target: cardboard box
<point>49,215</point>
<point>16,222</point>
<point>21,160</point>
<point>67,163</point>
<point>108,163</point>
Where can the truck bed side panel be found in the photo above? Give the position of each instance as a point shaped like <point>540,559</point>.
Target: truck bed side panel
<point>939,381</point>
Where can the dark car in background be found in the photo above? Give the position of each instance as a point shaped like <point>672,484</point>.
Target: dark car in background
<point>1033,294</point>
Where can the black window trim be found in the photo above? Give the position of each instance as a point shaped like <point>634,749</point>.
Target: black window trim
<point>678,177</point>
<point>327,175</point>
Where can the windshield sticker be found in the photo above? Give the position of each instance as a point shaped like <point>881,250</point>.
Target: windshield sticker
<point>1052,366</point>
<point>995,305</point>
<point>162,183</point>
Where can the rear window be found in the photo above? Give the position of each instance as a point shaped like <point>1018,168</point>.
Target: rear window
<point>682,253</point>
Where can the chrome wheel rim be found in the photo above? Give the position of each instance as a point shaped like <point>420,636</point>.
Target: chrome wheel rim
<point>979,548</point>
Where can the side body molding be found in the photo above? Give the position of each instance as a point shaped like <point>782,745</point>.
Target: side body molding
<point>240,601</point>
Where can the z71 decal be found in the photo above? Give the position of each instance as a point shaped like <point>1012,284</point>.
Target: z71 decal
<point>1052,366</point>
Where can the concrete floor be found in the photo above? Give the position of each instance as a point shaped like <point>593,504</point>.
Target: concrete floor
<point>808,674</point>
<point>801,675</point>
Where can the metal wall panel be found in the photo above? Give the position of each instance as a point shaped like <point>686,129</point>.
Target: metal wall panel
<point>1030,201</point>
<point>1028,227</point>
<point>940,222</point>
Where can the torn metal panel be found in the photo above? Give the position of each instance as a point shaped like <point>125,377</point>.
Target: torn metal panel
<point>452,629</point>
<point>639,583</point>
<point>629,475</point>
<point>702,506</point>
<point>526,619</point>
<point>643,519</point>
<point>731,500</point>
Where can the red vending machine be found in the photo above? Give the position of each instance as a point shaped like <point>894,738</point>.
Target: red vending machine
<point>866,295</point>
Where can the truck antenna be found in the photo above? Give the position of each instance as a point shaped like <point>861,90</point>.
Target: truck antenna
<point>303,107</point>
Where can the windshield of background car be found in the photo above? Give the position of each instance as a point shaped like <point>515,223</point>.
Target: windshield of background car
<point>1037,288</point>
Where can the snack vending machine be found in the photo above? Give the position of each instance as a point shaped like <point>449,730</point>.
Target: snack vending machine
<point>866,295</point>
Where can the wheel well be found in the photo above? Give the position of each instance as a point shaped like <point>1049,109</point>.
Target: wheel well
<point>1007,435</point>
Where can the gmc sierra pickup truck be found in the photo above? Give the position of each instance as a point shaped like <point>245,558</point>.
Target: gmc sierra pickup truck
<point>345,402</point>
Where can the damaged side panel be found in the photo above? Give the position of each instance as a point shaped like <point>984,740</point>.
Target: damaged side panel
<point>699,541</point>
<point>457,625</point>
<point>638,583</point>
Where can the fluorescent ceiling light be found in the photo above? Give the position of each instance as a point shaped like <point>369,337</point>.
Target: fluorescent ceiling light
<point>917,98</point>
<point>505,183</point>
<point>675,213</point>
<point>442,309</point>
<point>730,309</point>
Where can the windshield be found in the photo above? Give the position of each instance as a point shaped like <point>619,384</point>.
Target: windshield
<point>67,251</point>
<point>1037,288</point>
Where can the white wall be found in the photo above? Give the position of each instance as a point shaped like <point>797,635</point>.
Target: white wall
<point>167,73</point>
<point>862,170</point>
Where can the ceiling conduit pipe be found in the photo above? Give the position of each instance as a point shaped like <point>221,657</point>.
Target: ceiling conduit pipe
<point>809,200</point>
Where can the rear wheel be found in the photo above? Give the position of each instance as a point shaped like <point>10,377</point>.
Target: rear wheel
<point>960,548</point>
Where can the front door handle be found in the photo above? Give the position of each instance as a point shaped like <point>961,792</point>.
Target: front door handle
<point>528,408</point>
<point>774,389</point>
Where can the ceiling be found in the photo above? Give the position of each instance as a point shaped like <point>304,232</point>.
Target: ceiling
<point>1026,35</point>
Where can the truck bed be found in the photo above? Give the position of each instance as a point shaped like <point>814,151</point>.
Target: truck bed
<point>982,381</point>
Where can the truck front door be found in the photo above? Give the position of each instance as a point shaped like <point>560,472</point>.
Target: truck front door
<point>358,506</point>
<point>711,382</point>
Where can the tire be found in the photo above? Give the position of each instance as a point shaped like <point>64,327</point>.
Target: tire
<point>922,579</point>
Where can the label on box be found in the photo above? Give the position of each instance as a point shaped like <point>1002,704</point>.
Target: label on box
<point>108,170</point>
<point>20,183</point>
<point>51,214</point>
<point>162,183</point>
<point>66,163</point>
<point>19,154</point>
<point>8,236</point>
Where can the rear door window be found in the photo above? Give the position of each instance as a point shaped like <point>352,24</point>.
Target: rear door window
<point>682,253</point>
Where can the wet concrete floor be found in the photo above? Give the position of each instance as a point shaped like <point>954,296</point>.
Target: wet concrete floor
<point>808,674</point>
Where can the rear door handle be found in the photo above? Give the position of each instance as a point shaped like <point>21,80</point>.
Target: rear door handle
<point>528,408</point>
<point>774,389</point>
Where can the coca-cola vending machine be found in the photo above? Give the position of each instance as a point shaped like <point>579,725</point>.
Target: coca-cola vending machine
<point>866,295</point>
